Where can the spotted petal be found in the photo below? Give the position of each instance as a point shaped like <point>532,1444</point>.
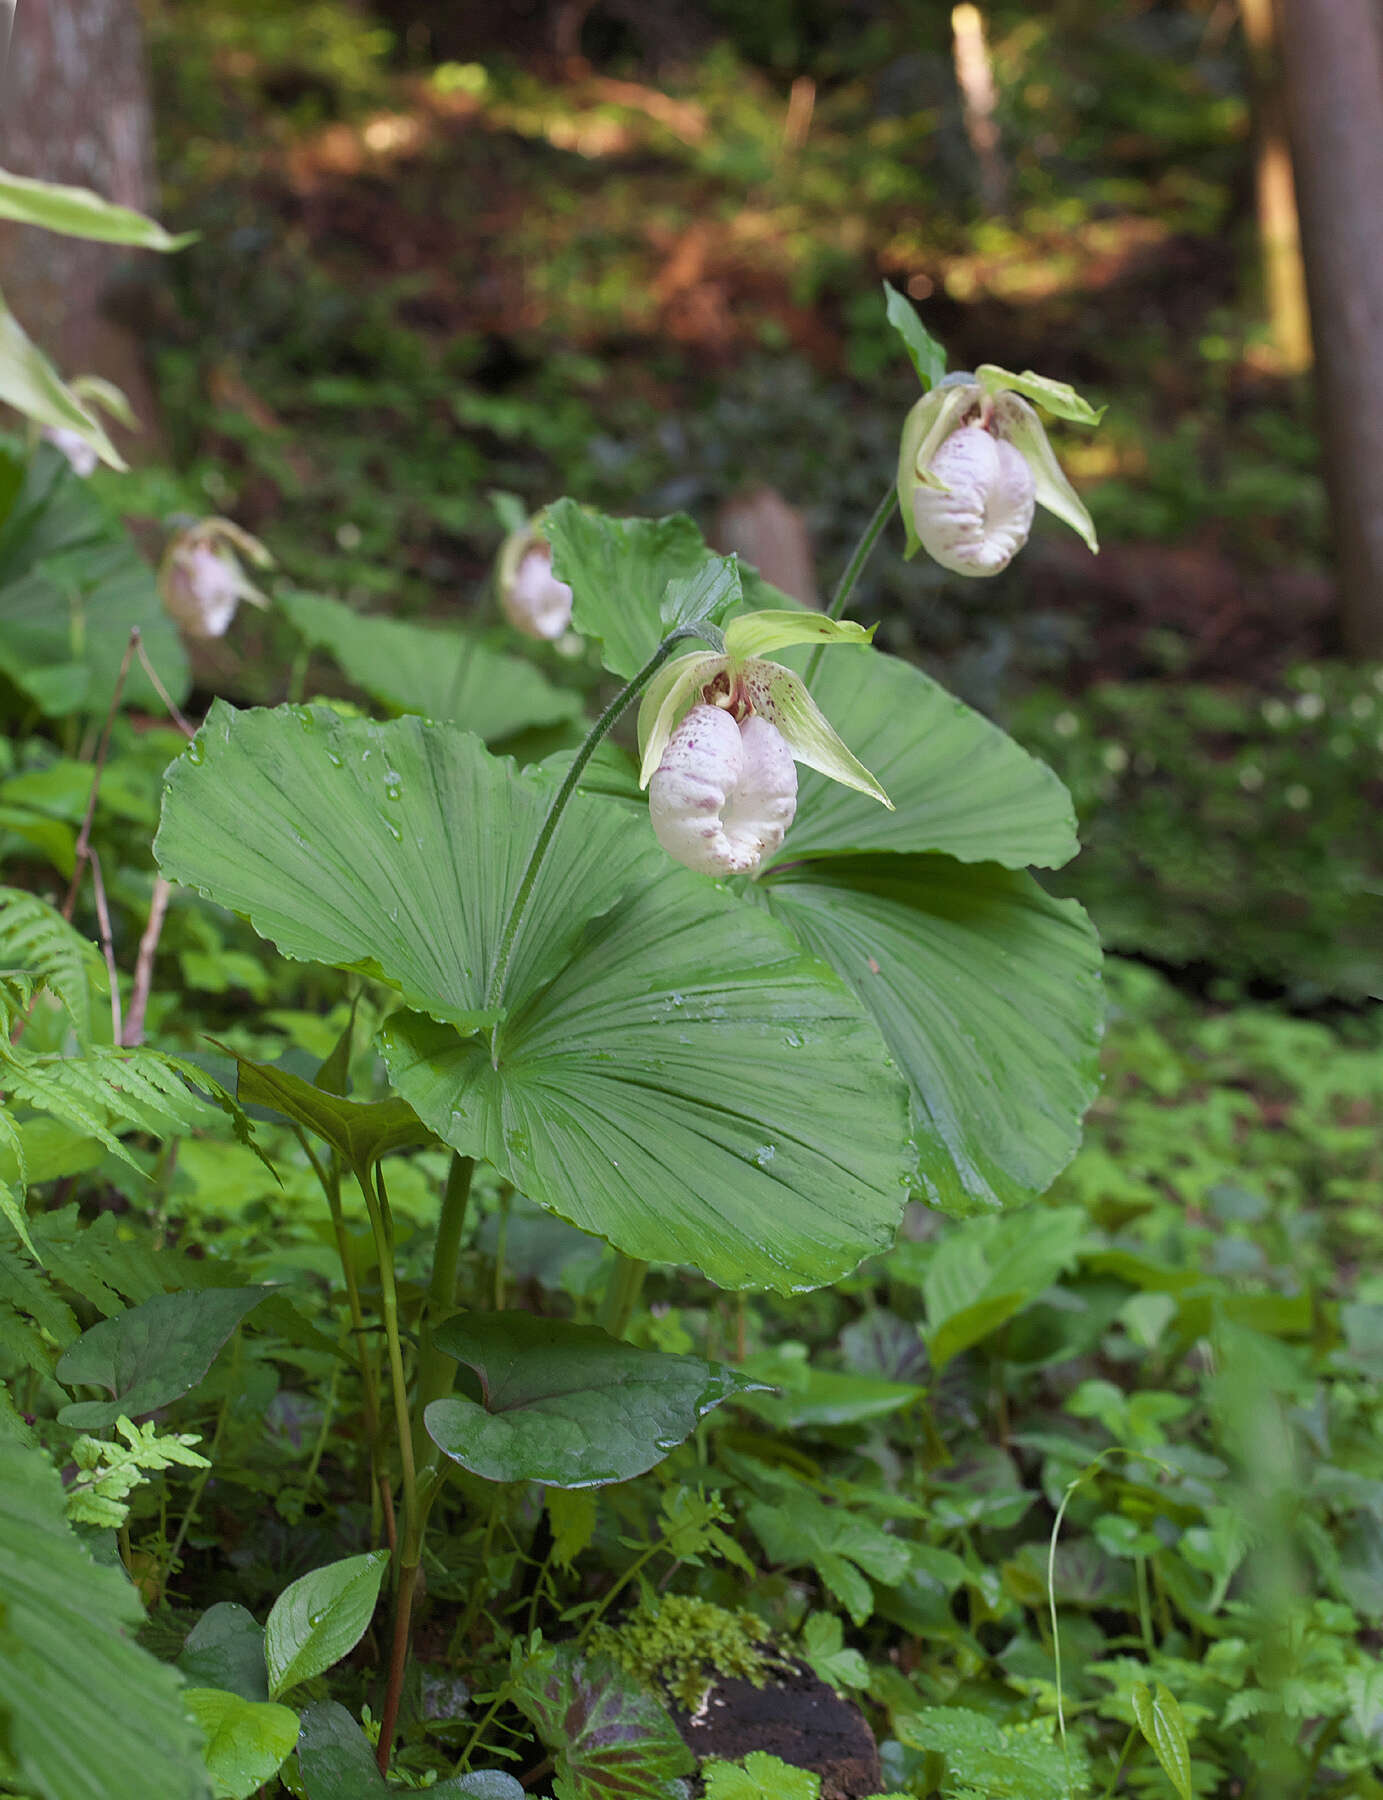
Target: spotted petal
<point>782,698</point>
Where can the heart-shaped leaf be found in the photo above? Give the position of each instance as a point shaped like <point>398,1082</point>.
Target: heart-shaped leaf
<point>672,1074</point>
<point>958,784</point>
<point>225,1649</point>
<point>610,1739</point>
<point>618,571</point>
<point>988,993</point>
<point>245,1740</point>
<point>151,1354</point>
<point>446,675</point>
<point>568,1404</point>
<point>336,1762</point>
<point>319,1618</point>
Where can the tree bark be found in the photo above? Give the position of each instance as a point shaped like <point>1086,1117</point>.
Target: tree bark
<point>1279,234</point>
<point>1332,61</point>
<point>74,108</point>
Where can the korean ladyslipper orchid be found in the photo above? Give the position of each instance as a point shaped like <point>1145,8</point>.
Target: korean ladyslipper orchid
<point>973,462</point>
<point>201,578</point>
<point>531,597</point>
<point>719,737</point>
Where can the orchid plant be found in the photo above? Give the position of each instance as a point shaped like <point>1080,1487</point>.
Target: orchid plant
<point>746,1078</point>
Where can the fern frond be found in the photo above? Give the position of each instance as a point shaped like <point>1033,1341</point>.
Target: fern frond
<point>36,941</point>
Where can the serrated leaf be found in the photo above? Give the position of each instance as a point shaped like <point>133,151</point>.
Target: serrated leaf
<point>87,1712</point>
<point>924,352</point>
<point>702,598</point>
<point>988,994</point>
<point>568,1404</point>
<point>759,1777</point>
<point>619,571</point>
<point>78,212</point>
<point>152,1354</point>
<point>320,1618</point>
<point>447,675</point>
<point>610,1739</point>
<point>1160,1720</point>
<point>245,1740</point>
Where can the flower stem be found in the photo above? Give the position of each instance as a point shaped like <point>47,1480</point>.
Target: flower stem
<point>883,512</point>
<point>622,1293</point>
<point>494,993</point>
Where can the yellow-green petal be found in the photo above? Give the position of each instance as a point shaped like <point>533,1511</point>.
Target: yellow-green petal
<point>666,698</point>
<point>782,698</point>
<point>755,634</point>
<point>925,430</point>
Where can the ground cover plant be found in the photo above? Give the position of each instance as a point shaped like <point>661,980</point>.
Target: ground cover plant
<point>543,1209</point>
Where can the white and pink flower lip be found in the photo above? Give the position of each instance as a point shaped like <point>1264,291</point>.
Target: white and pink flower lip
<point>201,578</point>
<point>531,597</point>
<point>974,462</point>
<point>720,736</point>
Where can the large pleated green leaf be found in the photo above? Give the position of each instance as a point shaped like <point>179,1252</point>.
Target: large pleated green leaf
<point>445,674</point>
<point>988,993</point>
<point>618,571</point>
<point>673,1074</point>
<point>958,783</point>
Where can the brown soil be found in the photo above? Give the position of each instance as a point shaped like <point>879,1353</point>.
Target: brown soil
<point>797,1719</point>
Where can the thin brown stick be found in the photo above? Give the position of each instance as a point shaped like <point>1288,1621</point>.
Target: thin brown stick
<point>144,964</point>
<point>98,887</point>
<point>398,1663</point>
<point>179,719</point>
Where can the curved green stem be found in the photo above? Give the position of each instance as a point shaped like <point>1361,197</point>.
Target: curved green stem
<point>883,512</point>
<point>494,993</point>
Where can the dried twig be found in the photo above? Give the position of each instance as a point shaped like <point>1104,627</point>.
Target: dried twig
<point>98,887</point>
<point>144,964</point>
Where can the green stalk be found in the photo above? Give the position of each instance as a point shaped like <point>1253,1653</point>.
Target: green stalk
<point>494,993</point>
<point>436,1372</point>
<point>883,512</point>
<point>622,1293</point>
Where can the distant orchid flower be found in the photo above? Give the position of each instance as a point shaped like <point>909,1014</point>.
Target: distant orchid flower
<point>201,578</point>
<point>719,736</point>
<point>533,600</point>
<point>975,460</point>
<point>82,457</point>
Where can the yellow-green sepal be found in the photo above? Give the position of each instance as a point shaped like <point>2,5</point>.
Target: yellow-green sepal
<point>756,634</point>
<point>671,691</point>
<point>925,430</point>
<point>1058,398</point>
<point>1024,430</point>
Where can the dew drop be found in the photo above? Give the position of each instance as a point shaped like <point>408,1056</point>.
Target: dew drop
<point>196,752</point>
<point>334,759</point>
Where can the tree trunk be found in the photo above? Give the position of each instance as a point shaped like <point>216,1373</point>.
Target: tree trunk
<point>74,107</point>
<point>1279,235</point>
<point>1332,62</point>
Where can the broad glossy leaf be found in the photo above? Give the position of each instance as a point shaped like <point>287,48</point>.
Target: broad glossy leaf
<point>245,1740</point>
<point>396,849</point>
<point>320,1618</point>
<point>78,212</point>
<point>447,675</point>
<point>225,1649</point>
<point>673,1074</point>
<point>689,1087</point>
<point>336,1762</point>
<point>618,571</point>
<point>568,1404</point>
<point>926,355</point>
<point>152,1354</point>
<point>362,1131</point>
<point>610,1739</point>
<point>958,784</point>
<point>86,1712</point>
<point>71,586</point>
<point>987,992</point>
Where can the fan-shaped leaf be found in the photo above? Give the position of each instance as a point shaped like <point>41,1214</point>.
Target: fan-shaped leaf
<point>988,993</point>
